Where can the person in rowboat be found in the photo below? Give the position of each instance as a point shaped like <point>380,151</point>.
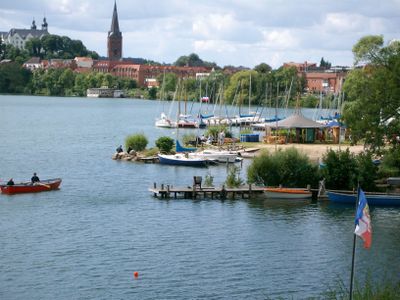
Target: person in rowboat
<point>35,178</point>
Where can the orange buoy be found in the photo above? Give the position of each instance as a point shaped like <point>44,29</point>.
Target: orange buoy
<point>136,274</point>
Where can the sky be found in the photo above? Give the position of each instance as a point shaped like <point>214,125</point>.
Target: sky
<point>227,32</point>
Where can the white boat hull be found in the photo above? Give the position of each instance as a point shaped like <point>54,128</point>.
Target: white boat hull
<point>219,156</point>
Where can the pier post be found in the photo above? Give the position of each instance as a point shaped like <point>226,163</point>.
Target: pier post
<point>167,191</point>
<point>223,193</point>
<point>155,189</point>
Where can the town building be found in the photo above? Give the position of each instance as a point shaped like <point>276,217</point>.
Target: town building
<point>320,79</point>
<point>19,37</point>
<point>33,63</point>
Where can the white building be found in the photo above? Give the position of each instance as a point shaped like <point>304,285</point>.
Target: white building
<point>18,37</point>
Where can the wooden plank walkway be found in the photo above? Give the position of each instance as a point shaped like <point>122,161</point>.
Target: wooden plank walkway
<point>193,192</point>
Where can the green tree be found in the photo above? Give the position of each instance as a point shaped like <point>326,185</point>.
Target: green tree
<point>165,144</point>
<point>192,60</point>
<point>2,49</point>
<point>325,64</point>
<point>14,78</point>
<point>153,93</point>
<point>263,68</point>
<point>288,168</point>
<point>34,47</point>
<point>16,54</point>
<point>373,93</point>
<point>340,170</point>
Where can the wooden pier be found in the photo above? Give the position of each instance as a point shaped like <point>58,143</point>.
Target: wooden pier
<point>196,191</point>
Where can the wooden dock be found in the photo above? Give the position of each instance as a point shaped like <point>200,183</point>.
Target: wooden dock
<point>194,192</point>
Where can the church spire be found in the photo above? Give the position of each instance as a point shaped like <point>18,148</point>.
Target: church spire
<point>114,41</point>
<point>114,30</point>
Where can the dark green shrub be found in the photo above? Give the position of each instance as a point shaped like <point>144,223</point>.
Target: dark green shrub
<point>390,166</point>
<point>165,144</point>
<point>137,142</point>
<point>233,179</point>
<point>344,170</point>
<point>288,168</point>
<point>367,171</point>
<point>340,170</point>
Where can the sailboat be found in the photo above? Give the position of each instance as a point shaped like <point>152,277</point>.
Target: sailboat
<point>164,120</point>
<point>186,120</point>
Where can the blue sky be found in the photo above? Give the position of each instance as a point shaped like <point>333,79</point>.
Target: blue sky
<point>235,32</point>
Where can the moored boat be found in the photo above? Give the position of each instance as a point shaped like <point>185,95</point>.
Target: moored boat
<point>165,122</point>
<point>29,187</point>
<point>374,199</point>
<point>217,155</point>
<point>287,193</point>
<point>180,159</point>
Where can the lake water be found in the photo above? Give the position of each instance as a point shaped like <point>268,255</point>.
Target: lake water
<point>86,240</point>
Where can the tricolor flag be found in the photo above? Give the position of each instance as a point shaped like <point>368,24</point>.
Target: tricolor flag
<point>363,220</point>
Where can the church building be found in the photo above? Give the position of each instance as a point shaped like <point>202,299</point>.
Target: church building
<point>114,40</point>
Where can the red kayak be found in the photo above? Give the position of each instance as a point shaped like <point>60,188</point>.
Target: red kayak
<point>28,187</point>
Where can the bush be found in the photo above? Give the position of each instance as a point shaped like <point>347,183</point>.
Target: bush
<point>165,144</point>
<point>151,152</point>
<point>233,179</point>
<point>367,171</point>
<point>340,171</point>
<point>137,142</point>
<point>390,166</point>
<point>209,181</point>
<point>288,168</point>
<point>215,130</point>
<point>344,170</point>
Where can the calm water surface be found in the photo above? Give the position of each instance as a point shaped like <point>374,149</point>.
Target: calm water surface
<point>86,240</point>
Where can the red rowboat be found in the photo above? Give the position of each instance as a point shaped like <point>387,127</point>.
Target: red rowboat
<point>28,187</point>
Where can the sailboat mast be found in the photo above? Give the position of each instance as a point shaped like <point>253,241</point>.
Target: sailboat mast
<point>249,93</point>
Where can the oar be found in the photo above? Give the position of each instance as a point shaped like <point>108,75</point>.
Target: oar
<point>46,185</point>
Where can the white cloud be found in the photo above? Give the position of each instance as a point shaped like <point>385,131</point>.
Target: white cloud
<point>280,39</point>
<point>238,32</point>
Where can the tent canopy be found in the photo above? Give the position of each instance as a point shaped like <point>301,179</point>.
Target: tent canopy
<point>296,120</point>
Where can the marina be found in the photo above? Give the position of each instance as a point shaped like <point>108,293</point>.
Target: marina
<point>87,239</point>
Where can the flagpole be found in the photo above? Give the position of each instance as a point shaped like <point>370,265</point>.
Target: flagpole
<point>352,267</point>
<point>354,250</point>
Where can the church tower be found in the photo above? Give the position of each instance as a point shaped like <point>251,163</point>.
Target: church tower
<point>114,41</point>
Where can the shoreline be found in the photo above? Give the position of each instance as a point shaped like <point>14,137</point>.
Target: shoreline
<point>313,151</point>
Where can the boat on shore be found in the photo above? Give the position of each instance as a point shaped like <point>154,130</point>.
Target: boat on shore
<point>287,193</point>
<point>181,159</point>
<point>29,187</point>
<point>374,199</point>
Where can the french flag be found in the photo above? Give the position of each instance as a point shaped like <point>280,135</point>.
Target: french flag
<point>363,220</point>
